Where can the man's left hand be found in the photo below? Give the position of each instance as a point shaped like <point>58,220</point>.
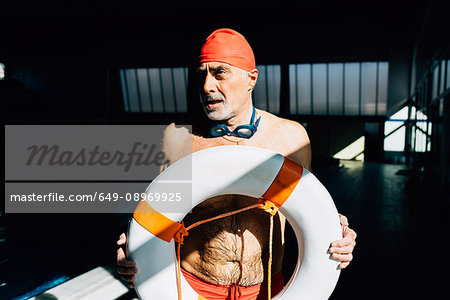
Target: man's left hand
<point>342,249</point>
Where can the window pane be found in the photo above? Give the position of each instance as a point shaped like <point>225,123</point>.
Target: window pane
<point>368,88</point>
<point>304,89</point>
<point>396,141</point>
<point>335,72</point>
<point>293,89</point>
<point>135,104</point>
<point>383,71</point>
<point>319,81</point>
<point>154,90</point>
<point>155,85</point>
<point>351,88</point>
<point>123,83</point>
<point>266,94</point>
<point>274,76</point>
<point>390,126</point>
<point>167,90</point>
<point>143,90</point>
<point>181,84</point>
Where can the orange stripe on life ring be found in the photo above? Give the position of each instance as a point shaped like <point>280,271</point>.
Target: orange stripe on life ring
<point>284,183</point>
<point>157,223</point>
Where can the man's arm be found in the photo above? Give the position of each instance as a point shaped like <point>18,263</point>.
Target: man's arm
<point>298,144</point>
<point>301,153</point>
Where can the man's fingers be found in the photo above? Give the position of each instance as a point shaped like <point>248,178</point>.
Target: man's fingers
<point>351,233</point>
<point>342,242</point>
<point>123,261</point>
<point>120,255</point>
<point>342,250</point>
<point>126,263</point>
<point>343,219</point>
<point>129,280</point>
<point>127,271</point>
<point>122,239</point>
<point>125,268</point>
<point>343,265</point>
<point>342,257</point>
<point>348,239</point>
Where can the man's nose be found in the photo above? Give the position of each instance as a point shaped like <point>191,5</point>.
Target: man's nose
<point>209,86</point>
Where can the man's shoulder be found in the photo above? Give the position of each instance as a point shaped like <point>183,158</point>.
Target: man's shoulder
<point>176,133</point>
<point>177,142</point>
<point>177,137</point>
<point>289,137</point>
<point>282,125</point>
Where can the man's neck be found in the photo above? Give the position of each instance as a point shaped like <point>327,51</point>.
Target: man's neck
<point>241,119</point>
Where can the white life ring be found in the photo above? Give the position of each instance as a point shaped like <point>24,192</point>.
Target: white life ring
<point>247,171</point>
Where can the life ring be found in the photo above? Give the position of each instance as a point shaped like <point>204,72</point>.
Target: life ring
<point>247,171</point>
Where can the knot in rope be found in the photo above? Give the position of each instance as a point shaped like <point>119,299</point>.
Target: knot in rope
<point>268,206</point>
<point>181,233</point>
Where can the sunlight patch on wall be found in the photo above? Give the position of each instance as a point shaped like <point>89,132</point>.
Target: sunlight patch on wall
<point>354,151</point>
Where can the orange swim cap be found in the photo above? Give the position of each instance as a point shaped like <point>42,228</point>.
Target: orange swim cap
<point>230,47</point>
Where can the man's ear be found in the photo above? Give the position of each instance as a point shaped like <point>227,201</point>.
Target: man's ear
<point>253,76</point>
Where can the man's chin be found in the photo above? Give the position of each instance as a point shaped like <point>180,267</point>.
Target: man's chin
<point>215,115</point>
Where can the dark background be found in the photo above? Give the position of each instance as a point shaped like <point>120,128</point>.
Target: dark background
<point>62,61</point>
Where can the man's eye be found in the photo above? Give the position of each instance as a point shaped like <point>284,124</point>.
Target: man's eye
<point>220,74</point>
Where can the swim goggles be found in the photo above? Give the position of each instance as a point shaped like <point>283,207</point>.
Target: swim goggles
<point>242,131</point>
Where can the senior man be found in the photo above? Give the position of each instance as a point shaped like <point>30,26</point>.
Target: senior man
<point>226,258</point>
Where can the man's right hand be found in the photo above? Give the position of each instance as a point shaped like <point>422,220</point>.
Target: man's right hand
<point>125,267</point>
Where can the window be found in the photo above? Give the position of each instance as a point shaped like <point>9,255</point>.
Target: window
<point>357,88</point>
<point>395,131</point>
<point>164,90</point>
<point>154,90</point>
<point>300,88</point>
<point>266,94</point>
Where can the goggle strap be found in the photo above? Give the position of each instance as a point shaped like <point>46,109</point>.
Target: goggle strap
<point>257,122</point>
<point>253,115</point>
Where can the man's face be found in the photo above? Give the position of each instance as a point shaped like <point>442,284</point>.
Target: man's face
<point>224,90</point>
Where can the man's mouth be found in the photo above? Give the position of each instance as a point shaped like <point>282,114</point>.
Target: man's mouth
<point>211,104</point>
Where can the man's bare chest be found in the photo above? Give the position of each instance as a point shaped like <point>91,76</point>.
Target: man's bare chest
<point>200,143</point>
